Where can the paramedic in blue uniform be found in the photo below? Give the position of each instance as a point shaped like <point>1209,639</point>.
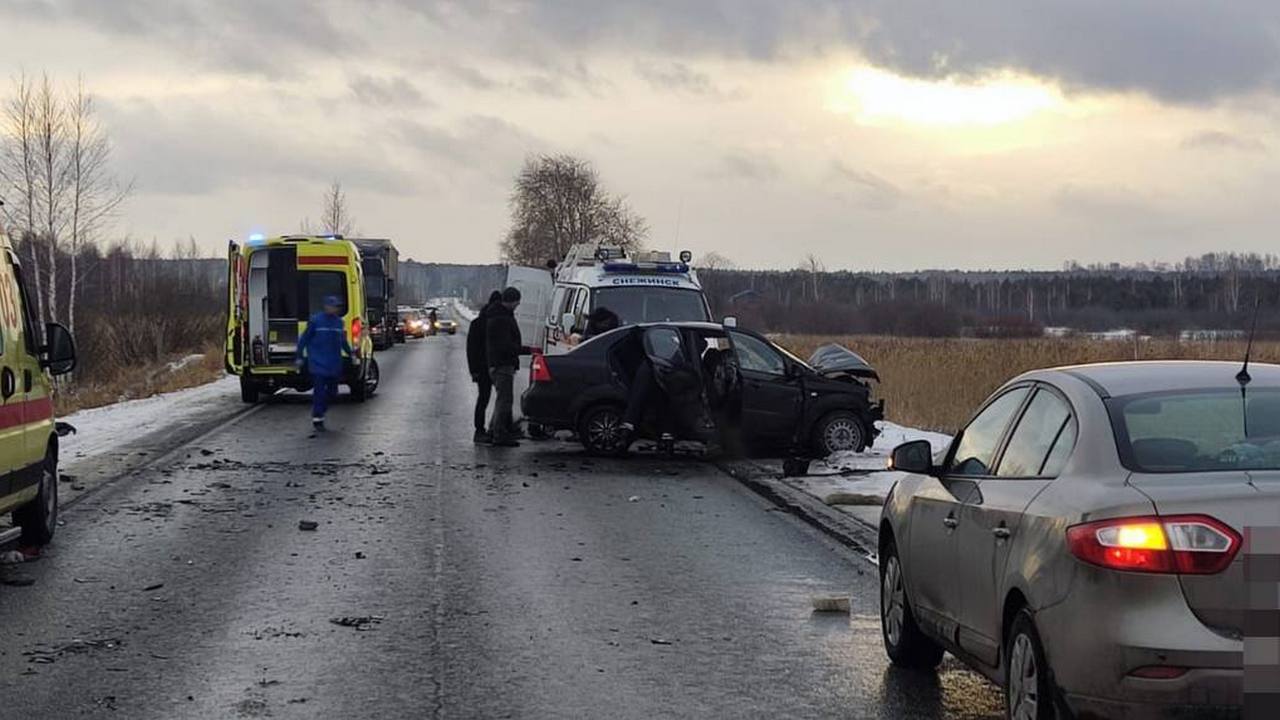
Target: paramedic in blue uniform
<point>320,349</point>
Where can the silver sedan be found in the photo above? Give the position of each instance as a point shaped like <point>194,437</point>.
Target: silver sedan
<point>1080,541</point>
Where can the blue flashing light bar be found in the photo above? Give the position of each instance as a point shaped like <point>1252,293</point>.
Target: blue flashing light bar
<point>680,268</point>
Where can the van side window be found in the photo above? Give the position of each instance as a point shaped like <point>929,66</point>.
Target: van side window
<point>557,301</point>
<point>28,327</point>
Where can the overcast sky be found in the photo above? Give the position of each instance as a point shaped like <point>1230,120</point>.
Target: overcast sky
<point>885,134</point>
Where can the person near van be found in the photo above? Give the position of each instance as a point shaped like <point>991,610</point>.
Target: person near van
<point>600,321</point>
<point>503,348</point>
<point>320,350</point>
<point>478,365</point>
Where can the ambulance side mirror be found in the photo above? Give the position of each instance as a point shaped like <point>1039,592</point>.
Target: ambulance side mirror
<point>566,322</point>
<point>59,351</point>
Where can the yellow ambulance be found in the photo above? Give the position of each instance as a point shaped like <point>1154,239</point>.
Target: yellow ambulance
<point>274,285</point>
<point>28,438</point>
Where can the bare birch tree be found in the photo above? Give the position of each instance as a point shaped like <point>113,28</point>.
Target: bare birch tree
<point>94,192</point>
<point>336,218</point>
<point>558,203</point>
<point>18,176</point>
<point>51,182</point>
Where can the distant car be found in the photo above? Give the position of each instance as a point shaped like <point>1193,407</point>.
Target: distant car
<point>447,326</point>
<point>1079,542</point>
<point>773,400</point>
<point>413,324</point>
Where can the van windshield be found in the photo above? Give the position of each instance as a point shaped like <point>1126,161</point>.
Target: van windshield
<point>645,304</point>
<point>1198,430</point>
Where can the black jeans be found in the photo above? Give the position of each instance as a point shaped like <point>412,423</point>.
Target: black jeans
<point>642,394</point>
<point>484,385</point>
<point>504,389</point>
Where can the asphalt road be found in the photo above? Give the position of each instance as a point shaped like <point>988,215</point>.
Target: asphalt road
<point>443,581</point>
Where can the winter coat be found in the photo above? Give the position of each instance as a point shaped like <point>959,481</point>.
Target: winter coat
<point>477,354</point>
<point>503,345</point>
<point>323,343</point>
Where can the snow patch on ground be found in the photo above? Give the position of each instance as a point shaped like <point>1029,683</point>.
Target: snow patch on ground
<point>104,429</point>
<point>876,457</point>
<point>858,482</point>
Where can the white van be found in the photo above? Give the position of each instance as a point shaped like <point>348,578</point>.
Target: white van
<point>640,288</point>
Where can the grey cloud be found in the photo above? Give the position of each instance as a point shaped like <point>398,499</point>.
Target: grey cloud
<point>154,144</point>
<point>1179,50</point>
<point>397,91</point>
<point>1219,140</point>
<point>266,38</point>
<point>1188,51</point>
<point>681,78</point>
<point>482,144</point>
<point>747,166</point>
<point>1110,203</point>
<point>870,190</point>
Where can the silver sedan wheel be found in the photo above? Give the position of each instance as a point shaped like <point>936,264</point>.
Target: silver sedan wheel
<point>892,602</point>
<point>842,434</point>
<point>1024,676</point>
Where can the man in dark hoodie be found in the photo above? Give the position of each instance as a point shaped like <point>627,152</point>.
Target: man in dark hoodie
<point>503,348</point>
<point>478,364</point>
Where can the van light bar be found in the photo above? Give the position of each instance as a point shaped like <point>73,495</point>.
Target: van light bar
<point>646,267</point>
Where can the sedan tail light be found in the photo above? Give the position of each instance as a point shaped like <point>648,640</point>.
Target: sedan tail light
<point>538,370</point>
<point>1181,544</point>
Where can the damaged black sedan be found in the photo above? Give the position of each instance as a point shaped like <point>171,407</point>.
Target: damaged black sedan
<point>723,386</point>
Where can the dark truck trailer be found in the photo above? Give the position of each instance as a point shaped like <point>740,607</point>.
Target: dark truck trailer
<point>380,262</point>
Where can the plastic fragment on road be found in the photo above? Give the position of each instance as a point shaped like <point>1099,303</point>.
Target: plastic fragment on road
<point>852,498</point>
<point>308,525</point>
<point>831,604</point>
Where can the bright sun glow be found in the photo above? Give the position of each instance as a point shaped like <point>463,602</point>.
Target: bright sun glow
<point>875,96</point>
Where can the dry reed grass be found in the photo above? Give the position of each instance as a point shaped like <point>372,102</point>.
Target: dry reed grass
<point>140,382</point>
<point>936,384</point>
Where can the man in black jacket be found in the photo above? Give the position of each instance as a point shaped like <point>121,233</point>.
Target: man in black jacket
<point>503,348</point>
<point>478,365</point>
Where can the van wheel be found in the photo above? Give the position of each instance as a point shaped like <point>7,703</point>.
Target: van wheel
<point>39,517</point>
<point>840,431</point>
<point>601,431</point>
<point>375,376</point>
<point>249,391</point>
<point>904,641</point>
<point>1028,689</point>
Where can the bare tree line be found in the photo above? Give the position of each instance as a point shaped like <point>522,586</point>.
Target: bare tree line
<point>58,189</point>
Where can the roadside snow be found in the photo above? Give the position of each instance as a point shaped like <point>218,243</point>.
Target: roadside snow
<point>875,458</point>
<point>101,430</point>
<point>858,482</point>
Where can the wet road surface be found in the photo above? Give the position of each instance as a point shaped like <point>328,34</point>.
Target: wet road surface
<point>443,581</point>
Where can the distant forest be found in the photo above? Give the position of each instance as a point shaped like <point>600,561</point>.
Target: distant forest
<point>1213,292</point>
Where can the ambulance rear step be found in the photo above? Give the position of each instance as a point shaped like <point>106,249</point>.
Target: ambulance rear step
<point>9,535</point>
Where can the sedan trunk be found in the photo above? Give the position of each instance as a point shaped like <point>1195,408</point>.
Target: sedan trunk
<point>1239,499</point>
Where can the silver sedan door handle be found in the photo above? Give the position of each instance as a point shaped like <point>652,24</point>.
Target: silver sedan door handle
<point>950,522</point>
<point>1001,533</point>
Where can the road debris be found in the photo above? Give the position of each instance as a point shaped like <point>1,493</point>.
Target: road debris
<point>153,587</point>
<point>308,525</point>
<point>359,622</point>
<point>831,604</point>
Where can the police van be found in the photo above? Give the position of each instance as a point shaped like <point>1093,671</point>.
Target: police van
<point>639,288</point>
<point>274,286</point>
<point>28,437</point>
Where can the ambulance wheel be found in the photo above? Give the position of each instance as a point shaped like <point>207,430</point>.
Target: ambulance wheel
<point>249,391</point>
<point>371,382</point>
<point>39,517</point>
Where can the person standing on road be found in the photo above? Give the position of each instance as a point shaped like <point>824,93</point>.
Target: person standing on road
<point>503,348</point>
<point>320,351</point>
<point>478,364</point>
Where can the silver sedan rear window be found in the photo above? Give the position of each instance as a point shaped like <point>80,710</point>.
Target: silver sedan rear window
<point>1198,430</point>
